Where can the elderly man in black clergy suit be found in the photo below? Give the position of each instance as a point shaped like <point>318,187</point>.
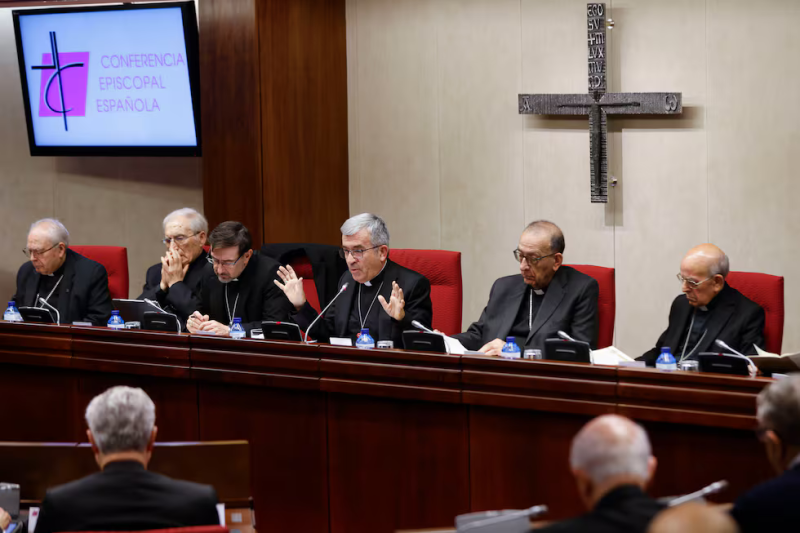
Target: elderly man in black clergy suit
<point>175,282</point>
<point>124,495</point>
<point>545,297</point>
<point>241,286</point>
<point>612,463</point>
<point>401,294</point>
<point>709,309</point>
<point>774,506</point>
<point>76,286</point>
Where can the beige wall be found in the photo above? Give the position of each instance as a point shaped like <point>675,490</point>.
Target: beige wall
<point>102,201</point>
<point>437,146</point>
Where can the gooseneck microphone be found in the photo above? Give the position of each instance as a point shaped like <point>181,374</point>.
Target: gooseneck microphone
<point>565,336</point>
<point>58,315</point>
<point>417,324</point>
<point>724,346</point>
<point>714,488</point>
<point>344,288</point>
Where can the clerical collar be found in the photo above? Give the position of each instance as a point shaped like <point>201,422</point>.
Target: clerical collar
<point>377,278</point>
<point>59,272</point>
<point>538,292</point>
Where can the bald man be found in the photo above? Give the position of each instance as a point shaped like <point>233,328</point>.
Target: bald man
<point>693,517</point>
<point>709,309</point>
<point>545,297</point>
<point>65,280</point>
<point>612,463</point>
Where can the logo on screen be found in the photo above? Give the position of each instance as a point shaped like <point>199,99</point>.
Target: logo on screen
<point>64,83</point>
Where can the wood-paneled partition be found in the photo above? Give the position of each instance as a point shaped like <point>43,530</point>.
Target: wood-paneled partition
<point>274,94</point>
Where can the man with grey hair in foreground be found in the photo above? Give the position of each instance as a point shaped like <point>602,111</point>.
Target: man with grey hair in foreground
<point>693,517</point>
<point>175,282</point>
<point>65,280</point>
<point>774,506</point>
<point>372,278</point>
<point>709,309</point>
<point>124,496</point>
<point>612,464</point>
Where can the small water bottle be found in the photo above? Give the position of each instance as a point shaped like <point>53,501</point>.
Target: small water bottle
<point>666,361</point>
<point>510,349</point>
<point>237,331</point>
<point>12,313</point>
<point>364,340</point>
<point>116,322</point>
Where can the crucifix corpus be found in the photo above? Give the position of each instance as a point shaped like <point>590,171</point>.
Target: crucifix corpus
<point>597,103</point>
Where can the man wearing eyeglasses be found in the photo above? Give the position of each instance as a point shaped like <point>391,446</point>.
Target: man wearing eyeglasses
<point>545,297</point>
<point>65,280</point>
<point>381,295</point>
<point>175,281</point>
<point>709,309</point>
<point>241,286</point>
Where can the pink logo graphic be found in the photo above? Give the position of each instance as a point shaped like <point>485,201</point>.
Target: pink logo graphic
<point>63,88</point>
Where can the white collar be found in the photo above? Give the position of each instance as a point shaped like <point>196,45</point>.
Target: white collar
<point>538,292</point>
<point>369,283</point>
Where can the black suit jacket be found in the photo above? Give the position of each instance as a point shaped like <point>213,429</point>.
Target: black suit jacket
<point>773,506</point>
<point>735,319</point>
<point>259,298</point>
<point>416,292</point>
<point>569,304</point>
<point>626,509</point>
<point>82,294</point>
<point>183,298</point>
<point>126,497</point>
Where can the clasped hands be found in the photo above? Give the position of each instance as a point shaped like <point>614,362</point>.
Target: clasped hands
<point>172,268</point>
<point>292,287</point>
<point>198,322</point>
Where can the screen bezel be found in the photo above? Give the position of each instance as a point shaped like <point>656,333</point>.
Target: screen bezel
<point>191,38</point>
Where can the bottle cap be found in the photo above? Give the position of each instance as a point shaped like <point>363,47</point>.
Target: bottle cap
<point>115,312</point>
<point>237,320</point>
<point>365,331</point>
<point>510,339</point>
<point>11,303</point>
<point>666,349</point>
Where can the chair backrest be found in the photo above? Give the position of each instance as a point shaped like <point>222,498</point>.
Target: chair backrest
<point>302,267</point>
<point>188,529</point>
<point>767,291</point>
<point>443,270</point>
<point>115,259</point>
<point>606,301</point>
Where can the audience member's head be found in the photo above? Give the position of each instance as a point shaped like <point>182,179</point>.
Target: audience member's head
<point>47,245</point>
<point>365,245</point>
<point>608,452</point>
<point>230,250</point>
<point>185,232</point>
<point>703,272</point>
<point>693,517</point>
<point>122,425</point>
<point>779,421</point>
<point>540,253</point>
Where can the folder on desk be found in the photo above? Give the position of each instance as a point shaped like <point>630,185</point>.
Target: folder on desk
<point>771,362</point>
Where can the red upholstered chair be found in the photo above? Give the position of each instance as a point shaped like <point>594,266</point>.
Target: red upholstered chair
<point>443,270</point>
<point>606,301</point>
<point>767,291</point>
<point>115,259</point>
<point>302,267</point>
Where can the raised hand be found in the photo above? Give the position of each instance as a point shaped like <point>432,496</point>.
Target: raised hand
<point>395,307</point>
<point>292,286</point>
<point>175,269</point>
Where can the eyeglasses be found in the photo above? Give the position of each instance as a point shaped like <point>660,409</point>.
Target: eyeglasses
<point>357,254</point>
<point>180,240</point>
<point>519,256</point>
<point>28,252</point>
<point>226,264</point>
<point>691,283</point>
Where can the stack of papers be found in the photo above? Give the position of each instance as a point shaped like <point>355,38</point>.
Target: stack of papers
<point>771,362</point>
<point>611,356</point>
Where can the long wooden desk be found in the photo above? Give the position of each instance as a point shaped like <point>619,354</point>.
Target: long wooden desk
<point>346,440</point>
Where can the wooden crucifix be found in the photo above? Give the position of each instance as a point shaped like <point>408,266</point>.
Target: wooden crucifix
<point>597,103</point>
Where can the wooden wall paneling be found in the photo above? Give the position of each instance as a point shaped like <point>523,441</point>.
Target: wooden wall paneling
<point>231,113</point>
<point>396,464</point>
<point>304,119</point>
<point>287,436</point>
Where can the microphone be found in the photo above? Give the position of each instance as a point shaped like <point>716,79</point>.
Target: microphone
<point>417,324</point>
<point>158,306</point>
<point>714,488</point>
<point>566,337</point>
<point>724,346</point>
<point>313,322</point>
<point>738,355</point>
<point>491,521</point>
<point>58,315</point>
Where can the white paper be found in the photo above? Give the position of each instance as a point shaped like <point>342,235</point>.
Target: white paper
<point>33,517</point>
<point>454,346</point>
<point>611,356</point>
<point>764,353</point>
<point>221,513</point>
<point>341,341</point>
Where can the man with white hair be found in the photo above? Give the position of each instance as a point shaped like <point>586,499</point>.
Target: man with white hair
<point>372,278</point>
<point>612,463</point>
<point>65,280</point>
<point>175,281</point>
<point>709,309</point>
<point>124,495</point>
<point>774,506</point>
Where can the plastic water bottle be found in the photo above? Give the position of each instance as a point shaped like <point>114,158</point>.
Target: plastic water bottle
<point>364,340</point>
<point>237,331</point>
<point>510,349</point>
<point>666,361</point>
<point>12,313</point>
<point>116,322</point>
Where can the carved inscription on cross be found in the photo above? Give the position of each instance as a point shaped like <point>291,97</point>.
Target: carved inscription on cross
<point>597,103</point>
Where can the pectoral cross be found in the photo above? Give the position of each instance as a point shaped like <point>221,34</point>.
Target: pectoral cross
<point>598,103</point>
